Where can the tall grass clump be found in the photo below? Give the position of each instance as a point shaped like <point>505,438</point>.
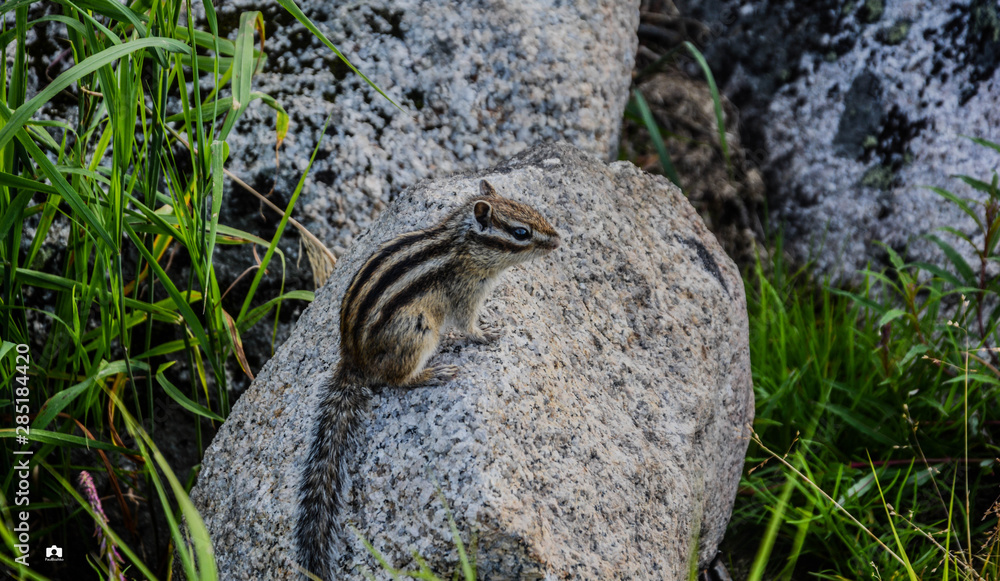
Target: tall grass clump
<point>875,452</point>
<point>109,224</point>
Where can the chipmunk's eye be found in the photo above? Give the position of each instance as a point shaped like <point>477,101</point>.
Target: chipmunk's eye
<point>521,233</point>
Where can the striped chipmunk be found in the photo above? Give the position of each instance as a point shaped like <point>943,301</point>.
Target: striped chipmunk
<point>391,320</point>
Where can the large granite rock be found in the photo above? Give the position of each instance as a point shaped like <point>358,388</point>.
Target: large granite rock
<point>855,106</point>
<point>601,437</point>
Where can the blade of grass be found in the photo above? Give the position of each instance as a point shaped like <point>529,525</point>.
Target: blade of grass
<point>68,440</point>
<point>258,313</point>
<point>984,142</point>
<point>243,68</point>
<point>220,151</point>
<point>184,401</point>
<point>295,11</point>
<point>802,529</point>
<point>65,190</point>
<point>766,546</point>
<point>720,118</point>
<point>895,534</point>
<point>61,399</point>
<point>203,555</point>
<point>14,213</point>
<point>13,122</point>
<point>192,320</point>
<point>654,133</point>
<point>837,505</point>
<point>280,229</point>
<point>961,266</point>
<point>467,567</point>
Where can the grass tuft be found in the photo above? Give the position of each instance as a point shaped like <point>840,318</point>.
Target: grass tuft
<point>884,399</point>
<point>109,228</point>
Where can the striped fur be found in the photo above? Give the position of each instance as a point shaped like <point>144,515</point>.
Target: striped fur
<point>317,529</point>
<point>391,319</point>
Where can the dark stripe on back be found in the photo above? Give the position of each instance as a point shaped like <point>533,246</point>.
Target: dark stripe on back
<point>380,256</point>
<point>376,260</point>
<point>499,244</point>
<point>412,291</point>
<point>391,275</point>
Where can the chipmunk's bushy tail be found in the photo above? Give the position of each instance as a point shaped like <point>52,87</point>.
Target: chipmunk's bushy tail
<point>318,527</point>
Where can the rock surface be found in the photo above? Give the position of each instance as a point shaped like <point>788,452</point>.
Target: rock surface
<point>601,437</point>
<point>856,106</point>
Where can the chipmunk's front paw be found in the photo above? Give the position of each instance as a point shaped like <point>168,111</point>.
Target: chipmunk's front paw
<point>441,374</point>
<point>486,334</point>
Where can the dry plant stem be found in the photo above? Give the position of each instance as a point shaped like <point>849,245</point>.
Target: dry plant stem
<point>302,229</point>
<point>965,403</point>
<point>992,369</point>
<point>245,272</point>
<point>59,58</point>
<point>87,91</point>
<point>995,534</point>
<point>937,489</point>
<point>756,439</point>
<point>927,461</point>
<point>942,365</point>
<point>959,561</point>
<point>945,366</point>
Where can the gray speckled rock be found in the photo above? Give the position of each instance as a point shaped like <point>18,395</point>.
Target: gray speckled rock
<point>478,82</point>
<point>858,105</point>
<point>601,437</point>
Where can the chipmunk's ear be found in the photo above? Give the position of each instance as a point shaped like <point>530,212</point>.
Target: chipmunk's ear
<point>483,212</point>
<point>487,189</point>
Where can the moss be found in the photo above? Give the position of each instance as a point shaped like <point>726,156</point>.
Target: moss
<point>985,22</point>
<point>879,177</point>
<point>862,118</point>
<point>896,33</point>
<point>982,45</point>
<point>871,11</point>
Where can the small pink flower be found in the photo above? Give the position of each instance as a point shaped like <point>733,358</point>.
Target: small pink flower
<point>108,548</point>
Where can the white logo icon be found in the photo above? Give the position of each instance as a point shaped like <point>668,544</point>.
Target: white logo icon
<point>53,551</point>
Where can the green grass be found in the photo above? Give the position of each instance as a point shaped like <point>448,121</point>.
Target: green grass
<point>874,452</point>
<point>97,210</point>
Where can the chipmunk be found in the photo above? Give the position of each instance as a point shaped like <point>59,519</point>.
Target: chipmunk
<point>391,320</point>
